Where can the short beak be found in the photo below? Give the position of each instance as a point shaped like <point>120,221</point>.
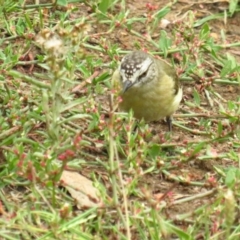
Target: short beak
<point>126,85</point>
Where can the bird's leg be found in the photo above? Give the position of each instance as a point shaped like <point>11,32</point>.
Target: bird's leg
<point>169,123</point>
<point>136,127</point>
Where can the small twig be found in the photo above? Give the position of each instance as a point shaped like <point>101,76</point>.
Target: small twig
<point>32,6</point>
<point>189,115</point>
<point>84,83</point>
<point>220,81</point>
<point>197,132</point>
<point>208,98</point>
<point>194,197</point>
<point>219,96</point>
<point>224,155</point>
<point>9,132</point>
<point>115,165</point>
<point>181,180</point>
<point>25,63</point>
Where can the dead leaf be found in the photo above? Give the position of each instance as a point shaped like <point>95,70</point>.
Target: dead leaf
<point>81,189</point>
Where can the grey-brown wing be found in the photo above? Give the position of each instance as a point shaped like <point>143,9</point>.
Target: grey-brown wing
<point>170,71</point>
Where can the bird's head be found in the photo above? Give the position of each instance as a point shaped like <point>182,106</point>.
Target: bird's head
<point>136,69</point>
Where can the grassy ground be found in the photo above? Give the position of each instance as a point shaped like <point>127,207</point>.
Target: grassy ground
<point>58,113</point>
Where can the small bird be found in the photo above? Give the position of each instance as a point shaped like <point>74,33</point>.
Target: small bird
<point>148,86</point>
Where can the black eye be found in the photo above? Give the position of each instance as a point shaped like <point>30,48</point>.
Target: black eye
<point>142,76</point>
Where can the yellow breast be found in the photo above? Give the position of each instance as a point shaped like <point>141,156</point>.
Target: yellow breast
<point>153,100</point>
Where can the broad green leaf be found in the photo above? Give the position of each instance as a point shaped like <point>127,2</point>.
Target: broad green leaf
<point>233,6</point>
<point>196,97</point>
<point>104,5</point>
<point>62,2</point>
